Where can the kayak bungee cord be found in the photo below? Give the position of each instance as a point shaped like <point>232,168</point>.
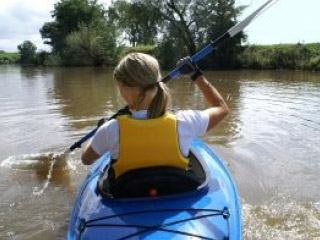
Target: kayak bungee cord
<point>92,223</point>
<point>223,212</point>
<point>195,58</point>
<point>149,228</point>
<point>160,227</point>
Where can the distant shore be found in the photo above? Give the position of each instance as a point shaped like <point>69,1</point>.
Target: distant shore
<point>261,57</point>
<point>9,58</point>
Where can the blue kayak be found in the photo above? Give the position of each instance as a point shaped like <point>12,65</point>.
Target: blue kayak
<point>209,211</point>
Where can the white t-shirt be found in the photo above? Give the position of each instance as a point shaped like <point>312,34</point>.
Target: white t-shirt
<point>190,124</point>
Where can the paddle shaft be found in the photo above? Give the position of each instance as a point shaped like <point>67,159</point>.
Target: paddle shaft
<point>78,144</point>
<point>198,56</point>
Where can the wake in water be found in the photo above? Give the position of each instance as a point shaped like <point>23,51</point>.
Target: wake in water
<point>44,164</point>
<point>282,218</point>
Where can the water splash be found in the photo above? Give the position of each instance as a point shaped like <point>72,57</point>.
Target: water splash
<point>28,161</point>
<point>49,176</point>
<point>44,165</point>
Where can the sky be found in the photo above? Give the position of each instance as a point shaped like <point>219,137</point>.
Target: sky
<point>288,21</point>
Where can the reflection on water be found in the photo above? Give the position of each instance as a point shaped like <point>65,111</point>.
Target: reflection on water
<point>86,94</point>
<point>269,141</point>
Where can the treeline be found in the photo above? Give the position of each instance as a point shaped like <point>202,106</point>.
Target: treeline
<point>260,57</point>
<point>84,32</point>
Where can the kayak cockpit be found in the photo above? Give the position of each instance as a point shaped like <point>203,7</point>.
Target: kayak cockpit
<point>153,181</point>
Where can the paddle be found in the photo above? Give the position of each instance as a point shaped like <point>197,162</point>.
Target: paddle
<point>195,58</point>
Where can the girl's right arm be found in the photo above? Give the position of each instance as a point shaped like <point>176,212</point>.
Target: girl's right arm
<point>219,109</point>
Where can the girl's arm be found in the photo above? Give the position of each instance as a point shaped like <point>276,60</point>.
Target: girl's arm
<point>219,108</point>
<point>89,156</point>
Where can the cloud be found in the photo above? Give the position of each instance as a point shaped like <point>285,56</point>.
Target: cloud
<point>21,20</point>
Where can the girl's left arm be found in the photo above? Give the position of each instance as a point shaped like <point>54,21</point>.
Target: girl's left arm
<point>89,156</point>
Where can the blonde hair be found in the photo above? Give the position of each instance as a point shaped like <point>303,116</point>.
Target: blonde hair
<point>142,71</point>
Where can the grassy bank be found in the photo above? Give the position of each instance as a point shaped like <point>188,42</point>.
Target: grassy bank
<point>282,56</point>
<point>9,58</point>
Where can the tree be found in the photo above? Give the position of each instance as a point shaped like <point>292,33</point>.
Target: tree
<point>168,52</point>
<point>224,17</point>
<point>68,16</point>
<point>178,17</point>
<point>81,33</point>
<point>138,22</point>
<point>27,52</point>
<point>195,23</point>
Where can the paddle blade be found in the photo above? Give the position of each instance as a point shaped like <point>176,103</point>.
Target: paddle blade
<point>241,25</point>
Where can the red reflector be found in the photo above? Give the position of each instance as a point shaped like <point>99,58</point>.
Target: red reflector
<point>153,192</point>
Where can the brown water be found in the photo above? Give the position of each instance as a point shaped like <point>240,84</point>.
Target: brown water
<point>270,142</point>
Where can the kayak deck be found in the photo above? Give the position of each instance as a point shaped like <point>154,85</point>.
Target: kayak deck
<point>211,212</point>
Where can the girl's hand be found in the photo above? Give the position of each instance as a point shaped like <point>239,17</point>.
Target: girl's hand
<point>187,67</point>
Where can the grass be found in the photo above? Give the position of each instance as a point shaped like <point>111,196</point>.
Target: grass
<point>282,56</point>
<point>148,49</point>
<point>9,58</point>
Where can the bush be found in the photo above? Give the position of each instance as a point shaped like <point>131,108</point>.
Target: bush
<point>282,56</point>
<point>315,63</point>
<point>42,57</point>
<point>52,60</point>
<point>167,54</point>
<point>91,46</point>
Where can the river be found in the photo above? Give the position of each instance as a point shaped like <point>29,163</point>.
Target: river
<point>270,142</point>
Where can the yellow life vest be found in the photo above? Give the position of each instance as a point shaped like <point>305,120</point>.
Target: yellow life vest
<point>148,143</point>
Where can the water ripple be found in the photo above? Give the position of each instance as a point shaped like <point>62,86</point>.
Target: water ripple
<point>282,218</point>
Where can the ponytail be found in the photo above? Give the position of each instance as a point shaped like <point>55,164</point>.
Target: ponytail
<point>159,103</point>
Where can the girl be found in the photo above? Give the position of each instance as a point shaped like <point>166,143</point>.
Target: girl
<point>151,136</point>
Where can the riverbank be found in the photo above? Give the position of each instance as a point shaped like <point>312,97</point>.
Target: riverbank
<point>282,56</point>
<point>262,57</point>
